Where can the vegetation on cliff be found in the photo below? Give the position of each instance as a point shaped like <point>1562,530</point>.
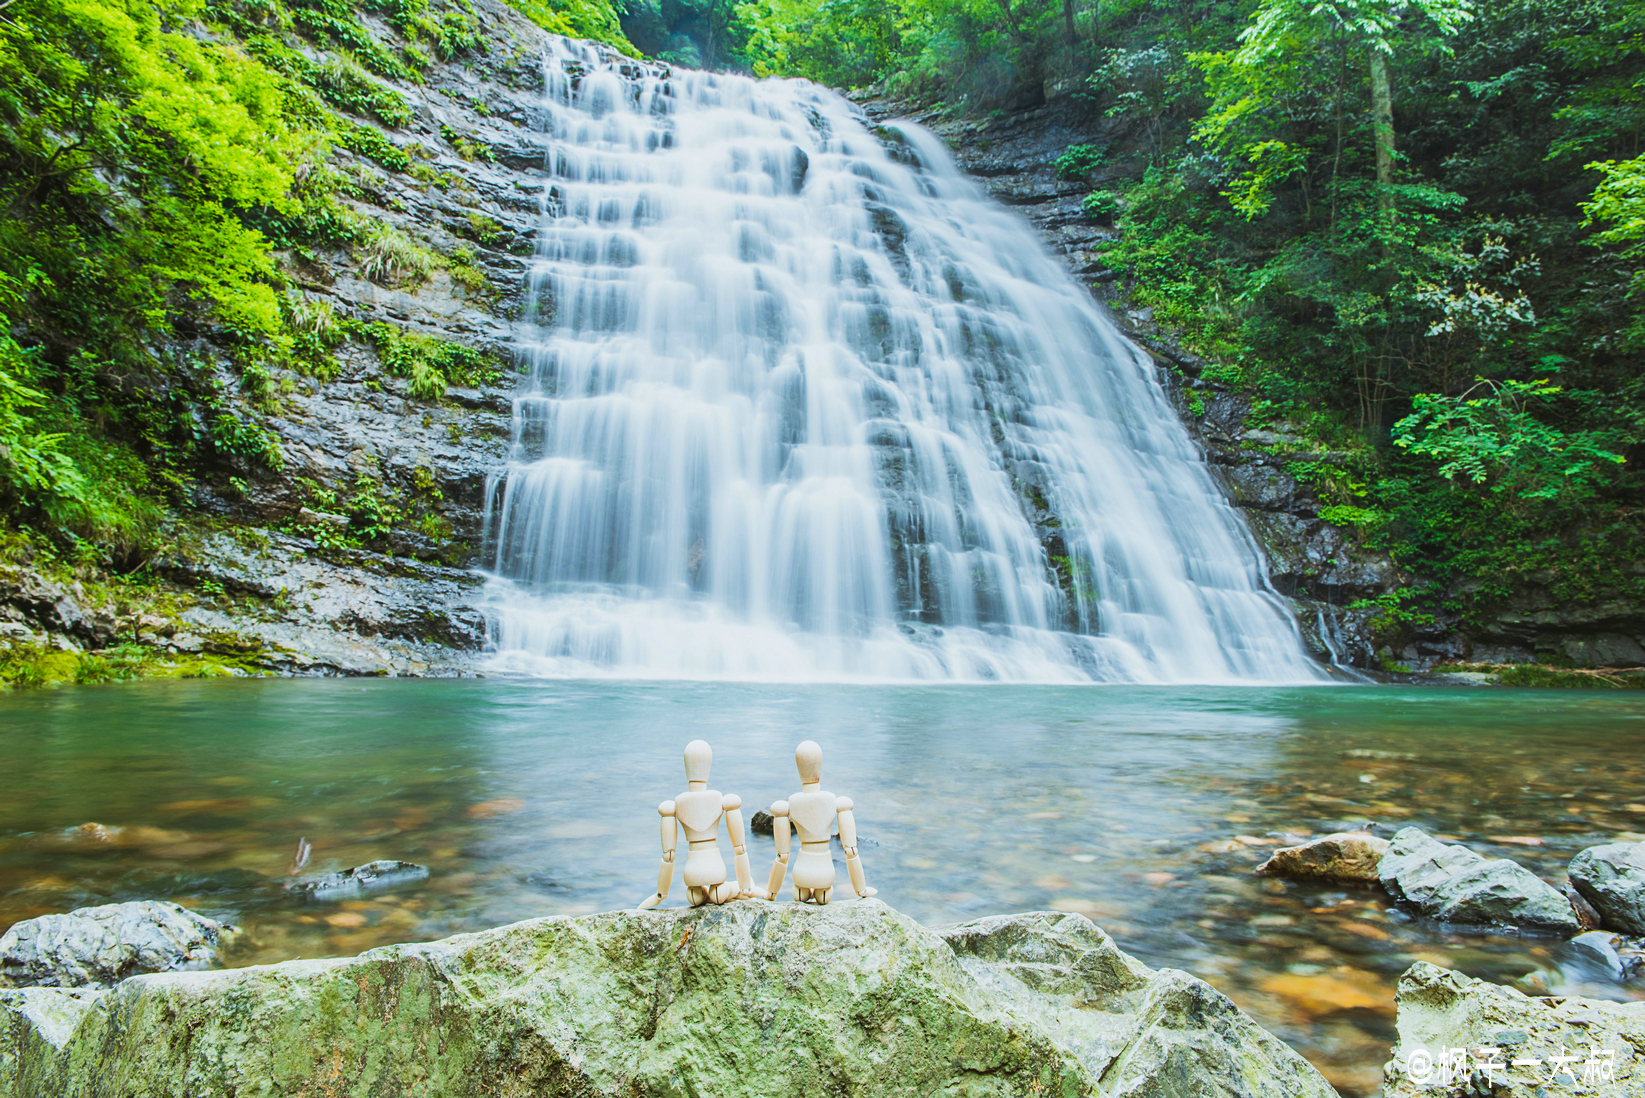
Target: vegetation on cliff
<point>1412,230</point>
<point>164,167</point>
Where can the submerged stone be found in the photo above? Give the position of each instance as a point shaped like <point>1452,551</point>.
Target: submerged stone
<point>373,875</point>
<point>1612,878</point>
<point>749,1000</point>
<point>1456,885</point>
<point>1348,856</point>
<point>100,946</point>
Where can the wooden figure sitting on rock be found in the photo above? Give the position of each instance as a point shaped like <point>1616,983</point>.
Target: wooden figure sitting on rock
<point>811,810</point>
<point>699,811</point>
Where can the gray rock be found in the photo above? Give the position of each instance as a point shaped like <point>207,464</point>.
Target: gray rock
<point>1438,1009</point>
<point>321,518</point>
<point>1612,878</point>
<point>748,1000</point>
<point>100,946</point>
<point>1143,1033</point>
<point>761,823</point>
<point>1595,955</point>
<point>362,878</point>
<point>1456,885</point>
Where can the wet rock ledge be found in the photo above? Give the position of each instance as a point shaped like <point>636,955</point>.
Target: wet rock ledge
<point>753,999</point>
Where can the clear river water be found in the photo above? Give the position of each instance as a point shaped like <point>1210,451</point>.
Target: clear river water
<point>1143,807</point>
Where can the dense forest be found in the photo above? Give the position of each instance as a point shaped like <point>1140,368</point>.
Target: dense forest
<point>1413,233</point>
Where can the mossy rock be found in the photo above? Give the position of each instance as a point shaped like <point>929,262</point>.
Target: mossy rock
<point>750,1000</point>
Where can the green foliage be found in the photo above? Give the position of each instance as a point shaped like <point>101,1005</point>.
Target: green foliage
<point>238,439</point>
<point>431,364</point>
<point>1101,205</point>
<point>468,150</point>
<point>1077,162</point>
<point>596,19</point>
<point>1619,202</point>
<point>485,230</point>
<point>131,149</point>
<point>389,256</point>
<point>470,276</point>
<point>1545,678</point>
<point>1495,438</point>
<point>152,159</point>
<point>1361,519</point>
<point>374,145</point>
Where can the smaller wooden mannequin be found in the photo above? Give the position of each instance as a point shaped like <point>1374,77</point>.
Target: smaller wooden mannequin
<point>699,811</point>
<point>811,810</point>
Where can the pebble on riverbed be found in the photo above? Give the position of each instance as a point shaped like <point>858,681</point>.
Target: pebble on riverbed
<point>1350,857</point>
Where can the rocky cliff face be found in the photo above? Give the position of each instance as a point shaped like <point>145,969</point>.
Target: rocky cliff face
<point>1323,569</point>
<point>353,554</point>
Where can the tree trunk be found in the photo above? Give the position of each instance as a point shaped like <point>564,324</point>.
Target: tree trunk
<point>1068,18</point>
<point>1382,126</point>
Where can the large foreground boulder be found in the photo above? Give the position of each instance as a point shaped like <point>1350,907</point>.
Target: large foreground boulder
<point>100,946</point>
<point>750,1000</point>
<point>1580,1046</point>
<point>1455,885</point>
<point>1612,878</point>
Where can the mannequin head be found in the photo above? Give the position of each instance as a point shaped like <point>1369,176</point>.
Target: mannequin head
<point>808,757</point>
<point>699,757</point>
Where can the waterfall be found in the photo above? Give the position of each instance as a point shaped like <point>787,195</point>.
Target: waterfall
<point>803,403</point>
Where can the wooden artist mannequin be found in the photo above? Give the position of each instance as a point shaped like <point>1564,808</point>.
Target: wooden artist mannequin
<point>699,810</point>
<point>811,810</point>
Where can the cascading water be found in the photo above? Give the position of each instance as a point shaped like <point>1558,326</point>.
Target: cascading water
<point>804,404</point>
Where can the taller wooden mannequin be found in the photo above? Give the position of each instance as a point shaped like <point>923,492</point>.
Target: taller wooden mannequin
<point>811,810</point>
<point>699,810</point>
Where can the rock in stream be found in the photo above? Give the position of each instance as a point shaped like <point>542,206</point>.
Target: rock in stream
<point>362,878</point>
<point>749,1000</point>
<point>1456,885</point>
<point>1580,1046</point>
<point>1612,878</point>
<point>100,946</point>
<point>1351,857</point>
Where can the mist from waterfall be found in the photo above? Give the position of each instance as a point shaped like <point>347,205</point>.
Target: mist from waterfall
<point>803,403</point>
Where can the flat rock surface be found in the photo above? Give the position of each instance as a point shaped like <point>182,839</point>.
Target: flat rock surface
<point>1599,1046</point>
<point>1612,878</point>
<point>1456,885</point>
<point>1348,856</point>
<point>753,999</point>
<point>100,946</point>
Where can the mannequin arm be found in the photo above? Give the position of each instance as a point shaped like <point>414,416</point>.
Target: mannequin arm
<point>665,871</point>
<point>779,832</point>
<point>848,839</point>
<point>734,827</point>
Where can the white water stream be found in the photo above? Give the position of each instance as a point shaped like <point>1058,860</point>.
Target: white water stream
<point>805,404</point>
